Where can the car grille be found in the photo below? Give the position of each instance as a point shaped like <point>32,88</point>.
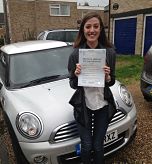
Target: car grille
<point>108,148</point>
<point>69,130</point>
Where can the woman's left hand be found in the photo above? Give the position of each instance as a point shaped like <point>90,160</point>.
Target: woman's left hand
<point>107,73</point>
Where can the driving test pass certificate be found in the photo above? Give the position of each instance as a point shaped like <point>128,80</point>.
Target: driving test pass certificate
<point>92,62</point>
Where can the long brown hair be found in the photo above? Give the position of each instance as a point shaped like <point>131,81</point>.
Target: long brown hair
<point>80,39</point>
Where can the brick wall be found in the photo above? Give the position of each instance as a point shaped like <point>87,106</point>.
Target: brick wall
<point>21,19</point>
<point>139,34</point>
<point>28,18</point>
<point>129,8</point>
<point>130,5</point>
<point>45,21</point>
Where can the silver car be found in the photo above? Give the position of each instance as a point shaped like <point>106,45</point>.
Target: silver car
<point>65,35</point>
<point>35,94</point>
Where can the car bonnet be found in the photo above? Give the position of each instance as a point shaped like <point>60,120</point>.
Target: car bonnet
<point>49,101</point>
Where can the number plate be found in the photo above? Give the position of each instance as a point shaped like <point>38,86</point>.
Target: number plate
<point>109,137</point>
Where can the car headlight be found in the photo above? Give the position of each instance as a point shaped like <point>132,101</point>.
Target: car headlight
<point>125,95</point>
<point>29,125</point>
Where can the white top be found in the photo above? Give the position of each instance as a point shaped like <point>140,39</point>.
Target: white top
<point>94,97</point>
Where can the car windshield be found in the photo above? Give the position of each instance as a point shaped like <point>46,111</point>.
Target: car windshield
<point>39,66</point>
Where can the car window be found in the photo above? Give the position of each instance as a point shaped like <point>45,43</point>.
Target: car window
<point>2,66</point>
<point>70,36</point>
<point>26,67</point>
<point>59,35</point>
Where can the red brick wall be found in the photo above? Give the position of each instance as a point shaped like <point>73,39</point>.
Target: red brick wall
<point>28,18</point>
<point>21,19</point>
<point>131,8</point>
<point>130,5</point>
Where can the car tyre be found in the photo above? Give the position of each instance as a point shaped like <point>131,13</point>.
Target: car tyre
<point>147,98</point>
<point>20,158</point>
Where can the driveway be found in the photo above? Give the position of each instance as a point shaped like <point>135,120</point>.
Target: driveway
<point>3,153</point>
<point>6,151</point>
<point>139,151</point>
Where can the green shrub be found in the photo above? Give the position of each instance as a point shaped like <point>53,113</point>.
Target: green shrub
<point>29,35</point>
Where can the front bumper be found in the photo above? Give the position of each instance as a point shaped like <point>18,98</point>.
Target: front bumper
<point>65,151</point>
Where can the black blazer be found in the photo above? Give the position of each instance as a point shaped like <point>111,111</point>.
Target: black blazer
<point>78,99</point>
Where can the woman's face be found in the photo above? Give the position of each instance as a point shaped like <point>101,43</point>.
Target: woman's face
<point>92,30</point>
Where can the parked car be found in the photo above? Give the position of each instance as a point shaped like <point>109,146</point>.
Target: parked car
<point>65,35</point>
<point>146,76</point>
<point>35,94</point>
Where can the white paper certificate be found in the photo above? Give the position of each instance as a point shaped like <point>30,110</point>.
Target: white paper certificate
<point>92,62</point>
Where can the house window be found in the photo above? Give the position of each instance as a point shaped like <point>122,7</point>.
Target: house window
<point>59,10</point>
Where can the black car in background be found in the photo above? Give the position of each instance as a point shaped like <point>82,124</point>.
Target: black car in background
<point>146,76</point>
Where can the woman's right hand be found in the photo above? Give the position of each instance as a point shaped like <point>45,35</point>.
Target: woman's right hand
<point>78,69</point>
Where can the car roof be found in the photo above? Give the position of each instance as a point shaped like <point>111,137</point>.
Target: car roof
<point>58,30</point>
<point>53,30</point>
<point>34,45</point>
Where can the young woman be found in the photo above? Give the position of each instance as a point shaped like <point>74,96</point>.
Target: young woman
<point>91,104</point>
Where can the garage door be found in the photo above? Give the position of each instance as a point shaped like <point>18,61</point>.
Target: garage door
<point>148,33</point>
<point>125,35</point>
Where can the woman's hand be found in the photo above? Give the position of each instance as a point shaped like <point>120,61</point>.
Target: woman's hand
<point>78,69</point>
<point>107,73</point>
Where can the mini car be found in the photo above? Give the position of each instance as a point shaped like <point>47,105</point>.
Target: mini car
<point>146,76</point>
<point>34,96</point>
<point>65,35</point>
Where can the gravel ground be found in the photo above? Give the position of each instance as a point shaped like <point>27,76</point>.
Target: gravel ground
<point>139,151</point>
<point>6,151</point>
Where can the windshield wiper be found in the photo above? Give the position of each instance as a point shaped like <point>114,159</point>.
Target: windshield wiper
<point>38,81</point>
